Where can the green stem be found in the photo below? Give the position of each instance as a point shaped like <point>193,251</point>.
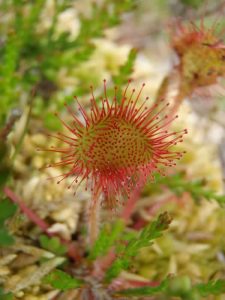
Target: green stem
<point>131,202</point>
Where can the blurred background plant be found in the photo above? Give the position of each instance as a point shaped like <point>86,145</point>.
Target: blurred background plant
<point>53,50</point>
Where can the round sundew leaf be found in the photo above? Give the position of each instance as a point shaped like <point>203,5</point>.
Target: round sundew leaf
<point>117,144</point>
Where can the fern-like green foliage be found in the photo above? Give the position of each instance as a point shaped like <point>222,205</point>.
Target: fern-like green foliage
<point>126,69</point>
<point>212,287</point>
<point>21,30</point>
<point>179,184</point>
<point>61,280</point>
<point>179,287</point>
<point>125,252</point>
<point>7,210</point>
<point>32,67</point>
<point>107,238</point>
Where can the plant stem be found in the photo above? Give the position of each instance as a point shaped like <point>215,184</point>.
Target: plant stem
<point>26,210</point>
<point>130,205</point>
<point>93,217</point>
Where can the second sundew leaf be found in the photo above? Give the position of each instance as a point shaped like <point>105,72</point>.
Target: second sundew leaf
<point>201,54</point>
<point>125,253</point>
<point>62,281</point>
<point>106,239</point>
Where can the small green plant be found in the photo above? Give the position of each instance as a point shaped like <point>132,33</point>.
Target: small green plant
<point>53,244</point>
<point>107,238</point>
<point>126,252</point>
<point>61,280</point>
<point>109,242</point>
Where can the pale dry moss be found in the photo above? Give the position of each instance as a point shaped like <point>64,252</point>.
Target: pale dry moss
<point>41,193</point>
<point>201,159</point>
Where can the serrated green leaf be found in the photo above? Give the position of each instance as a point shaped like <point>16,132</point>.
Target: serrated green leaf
<point>53,244</point>
<point>62,281</point>
<point>125,253</point>
<point>106,239</point>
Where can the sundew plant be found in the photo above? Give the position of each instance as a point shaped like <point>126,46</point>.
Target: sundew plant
<point>112,150</point>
